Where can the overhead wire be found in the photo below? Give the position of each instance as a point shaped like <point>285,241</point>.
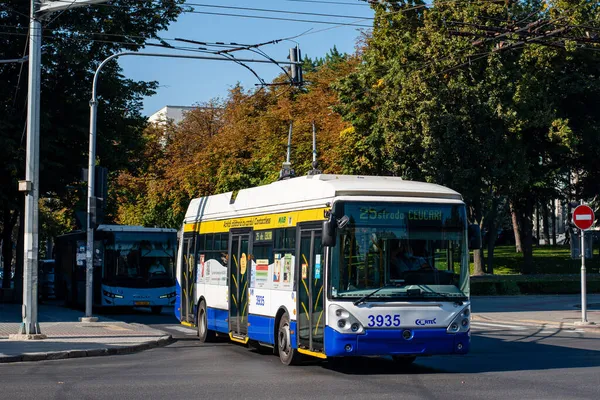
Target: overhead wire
<point>274,11</point>
<point>264,17</point>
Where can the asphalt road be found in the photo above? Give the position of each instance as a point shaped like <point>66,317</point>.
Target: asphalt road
<point>506,362</point>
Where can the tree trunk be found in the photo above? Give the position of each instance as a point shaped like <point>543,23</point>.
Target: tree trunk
<point>8,223</point>
<point>515,224</point>
<point>537,224</point>
<point>546,224</point>
<point>553,222</point>
<point>526,224</point>
<point>492,229</point>
<point>478,262</point>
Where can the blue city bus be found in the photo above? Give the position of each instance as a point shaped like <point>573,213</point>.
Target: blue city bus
<point>133,267</point>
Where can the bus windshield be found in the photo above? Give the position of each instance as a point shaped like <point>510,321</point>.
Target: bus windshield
<point>134,259</point>
<point>406,250</point>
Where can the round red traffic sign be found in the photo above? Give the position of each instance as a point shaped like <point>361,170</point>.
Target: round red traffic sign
<point>583,217</point>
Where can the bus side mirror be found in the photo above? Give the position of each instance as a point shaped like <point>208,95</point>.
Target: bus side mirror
<point>328,237</point>
<point>330,228</point>
<point>474,237</point>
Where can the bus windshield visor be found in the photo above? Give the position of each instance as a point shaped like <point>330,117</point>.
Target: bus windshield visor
<point>140,260</point>
<point>405,250</point>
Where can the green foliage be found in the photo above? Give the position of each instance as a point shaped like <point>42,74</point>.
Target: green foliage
<point>546,260</point>
<point>74,43</point>
<point>233,144</point>
<point>486,117</point>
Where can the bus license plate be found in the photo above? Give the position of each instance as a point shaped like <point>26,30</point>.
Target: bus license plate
<point>142,303</point>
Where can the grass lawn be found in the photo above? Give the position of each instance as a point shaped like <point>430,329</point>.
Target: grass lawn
<point>546,260</point>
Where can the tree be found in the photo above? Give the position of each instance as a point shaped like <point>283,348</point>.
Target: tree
<point>455,94</point>
<point>73,45</point>
<point>233,144</point>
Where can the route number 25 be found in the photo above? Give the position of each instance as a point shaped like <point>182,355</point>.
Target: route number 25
<point>384,320</point>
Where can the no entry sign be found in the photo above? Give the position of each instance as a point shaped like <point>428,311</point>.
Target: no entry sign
<point>583,217</point>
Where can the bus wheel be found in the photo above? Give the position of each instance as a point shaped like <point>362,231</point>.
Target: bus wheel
<point>156,309</point>
<point>287,354</point>
<point>204,334</point>
<point>404,360</point>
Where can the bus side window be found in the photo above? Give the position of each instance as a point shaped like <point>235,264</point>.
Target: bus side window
<point>209,241</point>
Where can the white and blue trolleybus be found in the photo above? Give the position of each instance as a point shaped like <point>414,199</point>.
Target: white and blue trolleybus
<point>330,266</point>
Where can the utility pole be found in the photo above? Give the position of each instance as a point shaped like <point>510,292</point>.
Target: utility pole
<point>31,185</point>
<point>30,328</point>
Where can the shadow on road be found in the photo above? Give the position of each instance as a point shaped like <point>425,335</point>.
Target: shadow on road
<point>488,355</point>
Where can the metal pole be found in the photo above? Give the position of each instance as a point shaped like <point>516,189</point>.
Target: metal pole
<point>314,154</point>
<point>583,281</point>
<point>89,256</point>
<point>30,325</point>
<point>289,145</point>
<point>15,60</point>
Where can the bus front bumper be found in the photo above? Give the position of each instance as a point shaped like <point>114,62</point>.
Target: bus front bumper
<point>384,342</point>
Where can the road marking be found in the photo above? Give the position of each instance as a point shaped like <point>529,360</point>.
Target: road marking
<point>499,326</point>
<point>545,329</point>
<point>183,329</point>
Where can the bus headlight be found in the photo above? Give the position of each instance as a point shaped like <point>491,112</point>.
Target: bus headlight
<point>112,295</point>
<point>168,295</point>
<point>342,321</point>
<point>461,322</point>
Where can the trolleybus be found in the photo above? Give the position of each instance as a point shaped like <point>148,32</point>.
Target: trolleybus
<point>330,266</point>
<point>133,267</point>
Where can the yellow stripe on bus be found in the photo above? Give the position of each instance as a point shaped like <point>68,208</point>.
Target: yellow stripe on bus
<point>306,311</point>
<point>319,320</point>
<point>312,353</point>
<point>319,295</point>
<point>243,341</point>
<point>258,222</point>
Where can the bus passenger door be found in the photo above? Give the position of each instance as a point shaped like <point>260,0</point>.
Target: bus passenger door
<point>239,271</point>
<point>188,278</point>
<point>311,275</point>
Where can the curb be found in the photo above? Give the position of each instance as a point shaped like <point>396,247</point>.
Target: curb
<point>105,351</point>
<point>539,324</point>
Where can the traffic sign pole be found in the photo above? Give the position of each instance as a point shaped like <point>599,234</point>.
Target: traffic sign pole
<point>583,218</point>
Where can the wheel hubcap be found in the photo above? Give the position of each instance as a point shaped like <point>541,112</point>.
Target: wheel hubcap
<point>202,323</point>
<point>284,342</point>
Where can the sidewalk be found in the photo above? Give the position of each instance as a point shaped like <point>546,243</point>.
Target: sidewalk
<point>557,311</point>
<point>69,338</point>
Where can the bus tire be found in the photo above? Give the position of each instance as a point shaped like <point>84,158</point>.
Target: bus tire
<point>404,360</point>
<point>156,309</point>
<point>287,354</point>
<point>204,334</point>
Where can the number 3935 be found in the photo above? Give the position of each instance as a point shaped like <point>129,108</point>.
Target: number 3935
<point>384,320</point>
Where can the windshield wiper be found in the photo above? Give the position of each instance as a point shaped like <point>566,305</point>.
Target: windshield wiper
<point>365,297</point>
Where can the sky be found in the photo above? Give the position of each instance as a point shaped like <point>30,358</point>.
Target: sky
<point>190,82</point>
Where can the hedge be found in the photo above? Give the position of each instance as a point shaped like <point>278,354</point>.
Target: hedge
<point>489,285</point>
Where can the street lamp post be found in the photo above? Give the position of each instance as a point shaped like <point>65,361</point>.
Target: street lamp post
<point>92,156</point>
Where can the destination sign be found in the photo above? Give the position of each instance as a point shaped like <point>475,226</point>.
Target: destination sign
<point>406,214</point>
